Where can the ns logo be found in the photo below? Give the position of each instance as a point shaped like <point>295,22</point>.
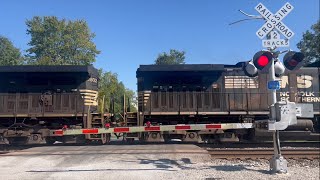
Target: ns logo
<point>303,81</point>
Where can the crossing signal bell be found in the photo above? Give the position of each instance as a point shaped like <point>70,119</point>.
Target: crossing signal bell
<point>293,60</point>
<point>250,70</point>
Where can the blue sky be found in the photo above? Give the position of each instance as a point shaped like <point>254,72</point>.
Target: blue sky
<point>134,32</point>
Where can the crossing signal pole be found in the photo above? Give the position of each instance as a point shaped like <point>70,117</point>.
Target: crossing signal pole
<point>282,114</point>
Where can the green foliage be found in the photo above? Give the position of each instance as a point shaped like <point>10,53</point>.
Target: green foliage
<point>110,87</point>
<point>309,44</point>
<point>174,57</point>
<point>60,42</point>
<point>9,55</point>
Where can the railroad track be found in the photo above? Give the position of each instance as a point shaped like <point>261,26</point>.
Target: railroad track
<point>263,144</point>
<point>250,153</point>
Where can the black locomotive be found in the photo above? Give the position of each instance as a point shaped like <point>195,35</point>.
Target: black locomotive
<point>207,93</point>
<point>36,99</point>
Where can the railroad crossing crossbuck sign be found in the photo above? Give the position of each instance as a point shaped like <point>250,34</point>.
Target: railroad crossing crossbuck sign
<point>274,24</point>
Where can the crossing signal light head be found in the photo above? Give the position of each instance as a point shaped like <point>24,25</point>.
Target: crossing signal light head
<point>293,60</point>
<point>262,59</point>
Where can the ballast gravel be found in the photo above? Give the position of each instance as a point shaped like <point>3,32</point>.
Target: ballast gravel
<point>137,162</point>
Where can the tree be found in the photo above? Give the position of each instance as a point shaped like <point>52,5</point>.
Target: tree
<point>9,55</point>
<point>60,42</point>
<point>174,57</point>
<point>110,87</point>
<point>309,44</point>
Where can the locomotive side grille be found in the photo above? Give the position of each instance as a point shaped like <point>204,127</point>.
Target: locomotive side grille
<point>199,100</point>
<point>146,98</point>
<point>241,82</point>
<point>170,100</point>
<point>191,99</point>
<point>35,101</point>
<point>155,100</point>
<point>206,99</point>
<point>24,96</point>
<point>23,105</point>
<point>65,101</point>
<point>57,102</point>
<point>73,102</point>
<point>11,101</point>
<point>23,101</point>
<point>11,96</point>
<point>216,98</point>
<point>90,97</point>
<point>10,105</point>
<point>163,99</point>
<point>184,99</point>
<point>1,103</point>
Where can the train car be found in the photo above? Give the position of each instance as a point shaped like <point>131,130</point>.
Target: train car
<point>207,93</point>
<point>37,99</point>
<point>59,103</point>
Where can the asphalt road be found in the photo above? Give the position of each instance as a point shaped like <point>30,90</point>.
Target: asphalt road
<point>98,162</point>
<point>150,162</point>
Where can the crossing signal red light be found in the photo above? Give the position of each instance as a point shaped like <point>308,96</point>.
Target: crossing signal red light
<point>293,60</point>
<point>262,59</point>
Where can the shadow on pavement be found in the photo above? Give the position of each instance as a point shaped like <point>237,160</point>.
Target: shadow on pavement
<point>167,163</point>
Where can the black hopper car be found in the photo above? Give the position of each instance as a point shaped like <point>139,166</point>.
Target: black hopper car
<point>207,93</point>
<point>37,99</point>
